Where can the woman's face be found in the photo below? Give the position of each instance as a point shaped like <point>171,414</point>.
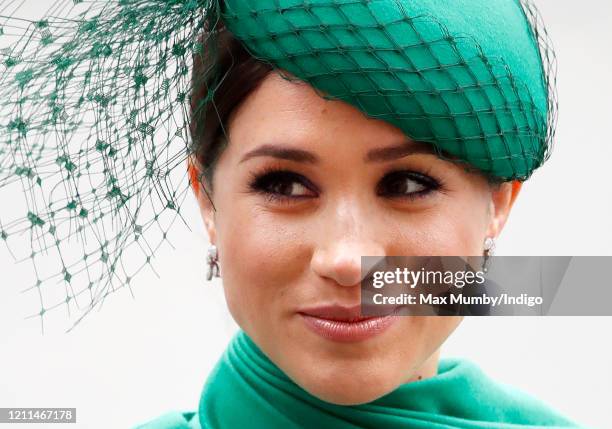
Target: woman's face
<point>306,187</point>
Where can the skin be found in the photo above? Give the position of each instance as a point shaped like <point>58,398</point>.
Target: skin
<point>280,256</point>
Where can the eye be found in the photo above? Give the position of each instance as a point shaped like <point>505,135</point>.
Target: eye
<point>406,184</point>
<point>282,185</point>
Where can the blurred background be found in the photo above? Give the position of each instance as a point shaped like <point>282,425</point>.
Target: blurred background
<point>151,347</point>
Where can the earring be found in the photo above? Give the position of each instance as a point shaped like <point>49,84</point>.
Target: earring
<point>213,263</point>
<point>489,250</point>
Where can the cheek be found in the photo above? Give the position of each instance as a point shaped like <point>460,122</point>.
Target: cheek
<point>439,328</point>
<point>260,258</point>
<point>416,339</point>
<point>453,227</point>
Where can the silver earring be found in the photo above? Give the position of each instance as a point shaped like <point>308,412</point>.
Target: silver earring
<point>213,263</point>
<point>489,250</point>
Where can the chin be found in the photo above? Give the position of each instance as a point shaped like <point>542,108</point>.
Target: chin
<point>349,392</point>
<point>345,383</point>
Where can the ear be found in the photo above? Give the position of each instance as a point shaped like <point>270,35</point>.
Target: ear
<point>202,196</point>
<point>502,200</point>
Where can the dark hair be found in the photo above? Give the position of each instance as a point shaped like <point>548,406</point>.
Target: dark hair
<point>222,78</point>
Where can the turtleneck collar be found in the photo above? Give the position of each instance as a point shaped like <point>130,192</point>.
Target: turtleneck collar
<point>246,389</point>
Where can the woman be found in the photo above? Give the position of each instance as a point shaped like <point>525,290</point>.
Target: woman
<point>326,131</point>
<point>294,188</point>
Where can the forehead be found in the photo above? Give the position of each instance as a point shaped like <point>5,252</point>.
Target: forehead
<point>283,111</point>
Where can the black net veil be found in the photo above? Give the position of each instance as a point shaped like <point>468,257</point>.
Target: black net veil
<point>98,126</point>
<point>549,62</point>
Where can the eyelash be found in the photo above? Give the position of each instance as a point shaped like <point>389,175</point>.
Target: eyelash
<point>262,181</point>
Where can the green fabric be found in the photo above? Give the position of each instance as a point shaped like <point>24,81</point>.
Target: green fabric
<point>246,390</point>
<point>465,75</point>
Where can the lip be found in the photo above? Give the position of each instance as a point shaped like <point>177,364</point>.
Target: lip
<point>345,324</point>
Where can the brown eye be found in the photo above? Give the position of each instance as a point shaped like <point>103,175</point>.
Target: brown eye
<point>288,188</point>
<point>406,184</point>
<point>282,184</point>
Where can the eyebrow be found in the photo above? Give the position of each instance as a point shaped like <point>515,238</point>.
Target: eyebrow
<point>383,154</point>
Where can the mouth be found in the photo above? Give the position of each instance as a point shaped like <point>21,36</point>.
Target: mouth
<point>345,324</point>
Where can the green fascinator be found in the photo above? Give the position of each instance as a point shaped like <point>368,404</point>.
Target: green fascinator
<point>97,100</point>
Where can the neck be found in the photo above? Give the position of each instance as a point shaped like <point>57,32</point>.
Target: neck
<point>428,369</point>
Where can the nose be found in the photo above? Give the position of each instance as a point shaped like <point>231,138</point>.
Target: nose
<point>346,233</point>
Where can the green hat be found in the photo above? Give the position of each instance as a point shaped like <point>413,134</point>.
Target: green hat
<point>96,101</point>
<point>467,75</point>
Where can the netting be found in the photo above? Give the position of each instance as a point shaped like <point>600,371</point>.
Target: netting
<point>477,86</point>
<point>96,104</point>
<point>94,107</point>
